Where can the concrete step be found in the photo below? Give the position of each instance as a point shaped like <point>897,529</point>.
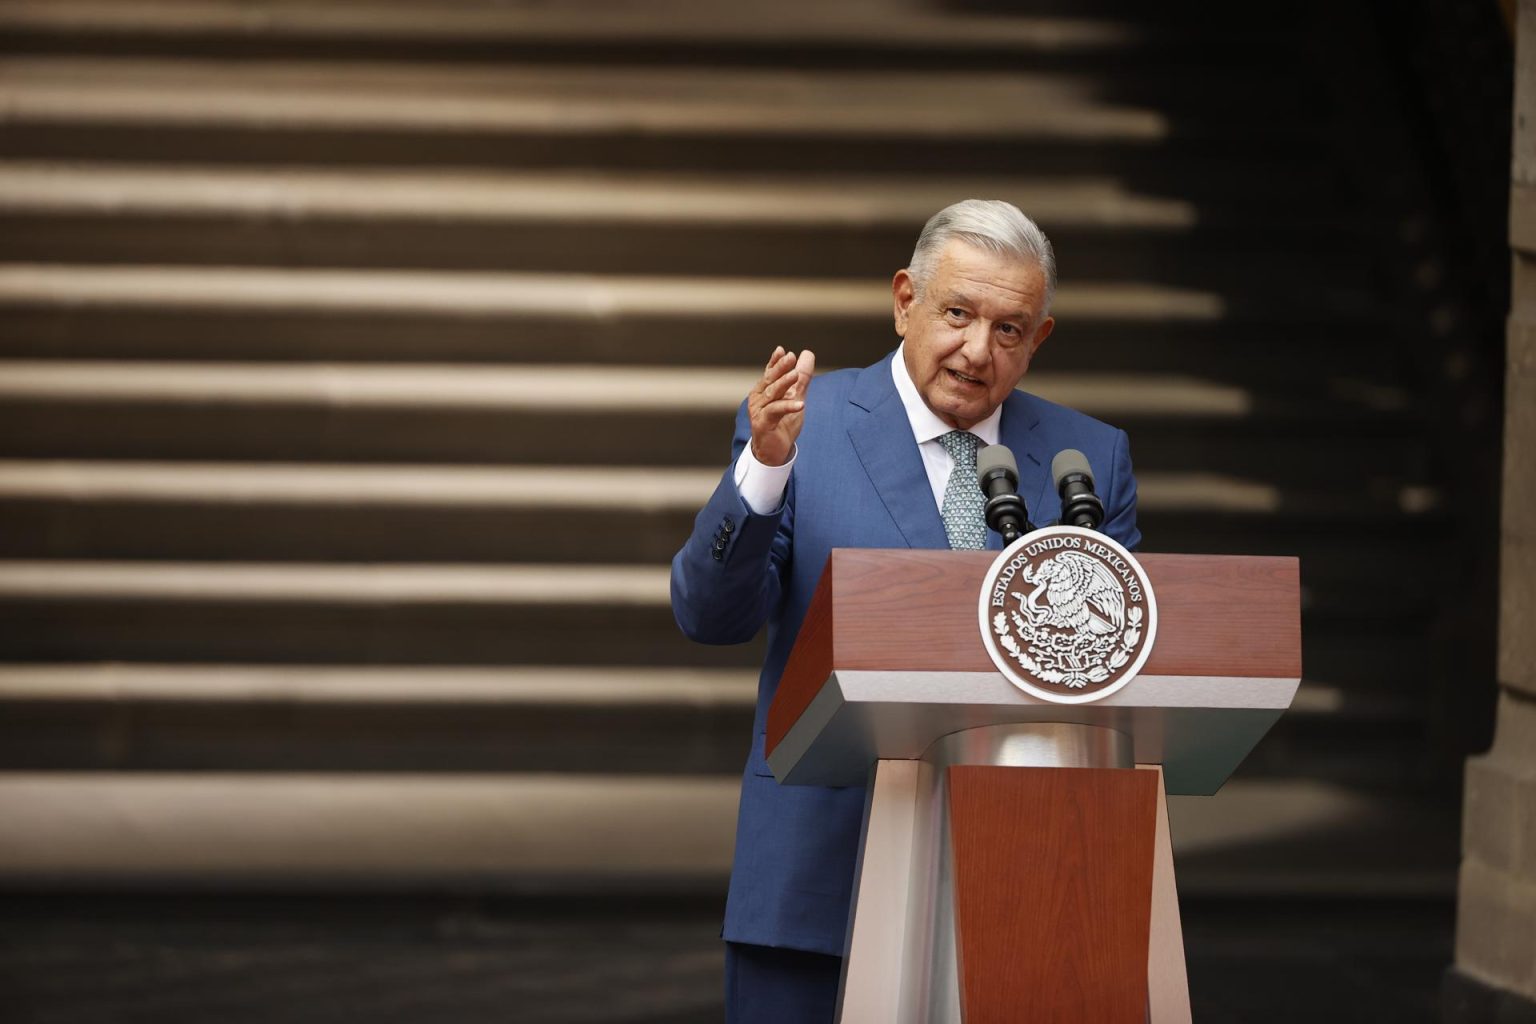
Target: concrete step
<point>366,830</point>
<point>603,415</point>
<point>1371,655</point>
<point>331,97</point>
<point>460,614</point>
<point>412,718</point>
<point>147,717</point>
<point>1375,738</point>
<point>677,116</point>
<point>449,614</point>
<point>674,30</point>
<point>583,222</point>
<point>613,514</point>
<point>351,832</point>
<point>1312,837</point>
<point>249,313</point>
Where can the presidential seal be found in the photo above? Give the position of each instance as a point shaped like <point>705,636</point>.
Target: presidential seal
<point>1067,614</point>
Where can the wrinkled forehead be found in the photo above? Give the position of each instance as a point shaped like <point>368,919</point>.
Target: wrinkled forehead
<point>999,284</point>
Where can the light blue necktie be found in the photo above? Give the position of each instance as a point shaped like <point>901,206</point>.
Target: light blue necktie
<point>963,505</point>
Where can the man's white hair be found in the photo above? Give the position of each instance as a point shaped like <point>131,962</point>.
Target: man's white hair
<point>989,224</point>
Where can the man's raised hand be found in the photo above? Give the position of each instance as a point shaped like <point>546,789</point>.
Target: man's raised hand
<point>776,406</point>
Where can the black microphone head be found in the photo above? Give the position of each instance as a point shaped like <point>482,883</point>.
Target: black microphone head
<point>1070,462</point>
<point>997,457</point>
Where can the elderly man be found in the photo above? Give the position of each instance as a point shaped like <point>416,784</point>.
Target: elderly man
<point>880,457</point>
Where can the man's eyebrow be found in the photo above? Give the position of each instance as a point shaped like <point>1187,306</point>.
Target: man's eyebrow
<point>1023,316</point>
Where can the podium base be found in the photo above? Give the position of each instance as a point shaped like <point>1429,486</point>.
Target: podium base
<point>905,959</point>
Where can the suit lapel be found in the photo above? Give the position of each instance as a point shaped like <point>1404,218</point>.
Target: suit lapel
<point>1017,431</point>
<point>881,436</point>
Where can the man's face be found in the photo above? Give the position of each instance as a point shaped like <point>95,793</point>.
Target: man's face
<point>971,335</point>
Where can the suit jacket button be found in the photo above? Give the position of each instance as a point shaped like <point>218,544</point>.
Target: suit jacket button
<point>719,555</point>
<point>728,524</point>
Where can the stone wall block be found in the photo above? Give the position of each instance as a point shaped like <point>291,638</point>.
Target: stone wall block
<point>1490,832</point>
<point>1500,949</point>
<point>1523,162</point>
<point>1517,605</point>
<point>1499,816</point>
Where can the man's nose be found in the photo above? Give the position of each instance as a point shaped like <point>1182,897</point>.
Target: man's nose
<point>977,344</point>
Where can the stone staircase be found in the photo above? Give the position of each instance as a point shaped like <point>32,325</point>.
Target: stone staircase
<point>363,364</point>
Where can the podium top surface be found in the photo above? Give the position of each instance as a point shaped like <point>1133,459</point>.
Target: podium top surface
<point>890,658</point>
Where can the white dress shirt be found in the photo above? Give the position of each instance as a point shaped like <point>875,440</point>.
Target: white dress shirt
<point>762,487</point>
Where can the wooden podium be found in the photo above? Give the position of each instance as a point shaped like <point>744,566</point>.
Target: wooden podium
<point>1016,864</point>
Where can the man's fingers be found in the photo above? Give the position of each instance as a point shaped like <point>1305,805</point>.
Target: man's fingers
<point>776,415</point>
<point>805,366</point>
<point>782,407</point>
<point>780,387</point>
<point>781,364</point>
<point>787,364</point>
<point>768,414</point>
<point>777,404</point>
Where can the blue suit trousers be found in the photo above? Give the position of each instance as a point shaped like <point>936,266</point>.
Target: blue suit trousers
<point>770,985</point>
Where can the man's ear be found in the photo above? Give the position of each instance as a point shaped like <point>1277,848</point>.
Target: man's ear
<point>903,292</point>
<point>1042,332</point>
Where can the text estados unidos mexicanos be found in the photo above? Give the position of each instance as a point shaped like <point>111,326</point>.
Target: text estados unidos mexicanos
<point>1120,566</point>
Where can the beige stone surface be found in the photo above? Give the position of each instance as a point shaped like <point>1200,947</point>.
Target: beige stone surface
<point>1496,934</point>
<point>341,828</point>
<point>511,586</point>
<point>802,22</point>
<point>571,101</point>
<point>1522,218</point>
<point>449,195</point>
<point>576,686</point>
<point>1500,810</point>
<point>1523,166</point>
<point>573,297</point>
<point>1517,638</point>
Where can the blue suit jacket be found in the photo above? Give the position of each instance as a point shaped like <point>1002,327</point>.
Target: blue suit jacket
<point>858,481</point>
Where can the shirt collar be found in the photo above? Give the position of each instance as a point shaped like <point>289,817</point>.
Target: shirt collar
<point>926,425</point>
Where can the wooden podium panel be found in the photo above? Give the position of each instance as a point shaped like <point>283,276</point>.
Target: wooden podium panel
<point>890,658</point>
<point>1053,892</point>
<point>915,611</point>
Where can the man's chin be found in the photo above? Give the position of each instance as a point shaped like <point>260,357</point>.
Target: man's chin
<point>962,415</point>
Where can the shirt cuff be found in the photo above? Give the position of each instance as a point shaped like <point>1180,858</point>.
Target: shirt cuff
<point>762,487</point>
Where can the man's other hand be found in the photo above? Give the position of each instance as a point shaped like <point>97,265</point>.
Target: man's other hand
<point>776,406</point>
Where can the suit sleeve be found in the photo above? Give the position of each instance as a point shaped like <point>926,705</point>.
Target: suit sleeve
<point>1120,497</point>
<point>728,577</point>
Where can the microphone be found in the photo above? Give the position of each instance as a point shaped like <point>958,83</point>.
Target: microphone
<point>1074,482</point>
<point>998,474</point>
